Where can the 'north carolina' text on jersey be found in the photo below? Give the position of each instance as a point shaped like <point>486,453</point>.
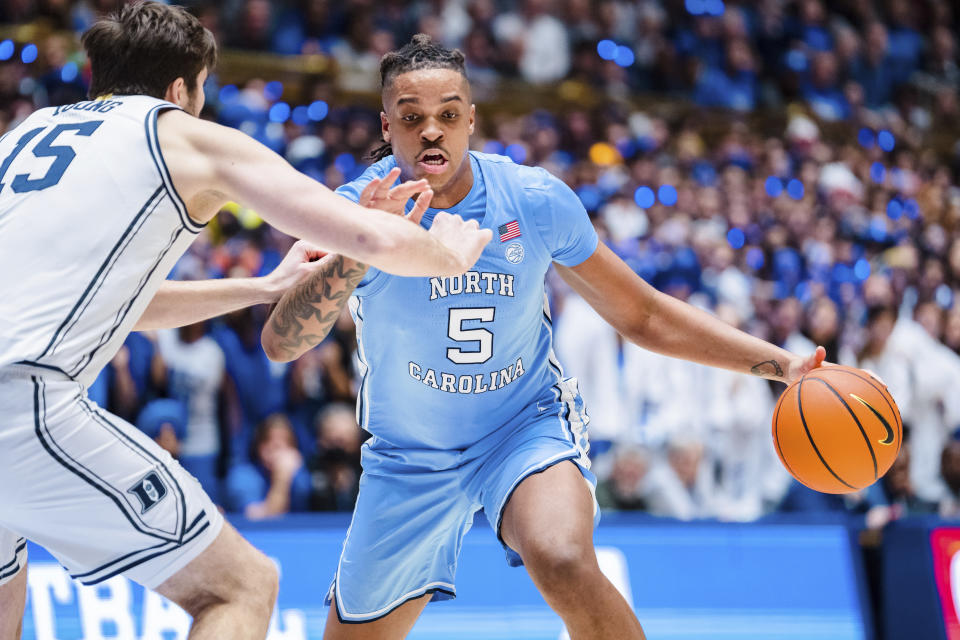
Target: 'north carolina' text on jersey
<point>446,361</point>
<point>90,225</point>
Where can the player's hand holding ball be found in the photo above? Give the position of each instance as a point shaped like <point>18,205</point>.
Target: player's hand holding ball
<point>835,428</point>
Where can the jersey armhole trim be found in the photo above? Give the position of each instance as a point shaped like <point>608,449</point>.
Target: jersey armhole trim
<point>153,143</point>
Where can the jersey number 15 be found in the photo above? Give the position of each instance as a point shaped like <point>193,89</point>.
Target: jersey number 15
<point>62,154</point>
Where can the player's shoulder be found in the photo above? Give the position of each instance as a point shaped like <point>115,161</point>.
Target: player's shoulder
<point>532,179</point>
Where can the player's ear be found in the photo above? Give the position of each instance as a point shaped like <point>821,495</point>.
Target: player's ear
<point>473,117</point>
<point>177,92</point>
<point>384,127</point>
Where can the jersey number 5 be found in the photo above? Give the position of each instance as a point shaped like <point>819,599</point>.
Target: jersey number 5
<point>63,155</point>
<point>483,337</point>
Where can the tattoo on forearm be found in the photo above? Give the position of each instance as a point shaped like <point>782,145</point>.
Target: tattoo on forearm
<point>304,315</point>
<point>768,368</point>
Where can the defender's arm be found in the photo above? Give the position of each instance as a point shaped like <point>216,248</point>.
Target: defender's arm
<point>661,323</point>
<point>211,165</point>
<point>179,303</point>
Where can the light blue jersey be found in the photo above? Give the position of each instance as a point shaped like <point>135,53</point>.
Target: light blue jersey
<point>460,390</point>
<point>447,361</point>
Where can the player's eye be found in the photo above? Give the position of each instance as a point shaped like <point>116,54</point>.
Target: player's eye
<point>449,115</point>
<point>410,117</point>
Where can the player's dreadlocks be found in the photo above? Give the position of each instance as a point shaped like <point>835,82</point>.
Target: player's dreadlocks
<point>420,53</point>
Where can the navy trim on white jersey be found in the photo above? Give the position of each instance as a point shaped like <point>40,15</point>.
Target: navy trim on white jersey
<point>90,577</point>
<point>12,567</point>
<point>102,272</point>
<point>153,144</point>
<point>101,417</point>
<point>49,444</point>
<point>125,308</point>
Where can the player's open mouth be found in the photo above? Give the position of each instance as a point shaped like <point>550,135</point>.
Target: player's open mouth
<point>433,162</point>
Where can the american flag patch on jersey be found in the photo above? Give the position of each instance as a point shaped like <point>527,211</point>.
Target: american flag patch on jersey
<point>509,231</point>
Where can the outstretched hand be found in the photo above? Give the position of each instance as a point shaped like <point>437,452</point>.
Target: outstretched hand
<point>380,194</point>
<point>800,365</point>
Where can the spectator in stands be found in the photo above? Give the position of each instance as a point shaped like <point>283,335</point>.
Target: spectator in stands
<point>868,506</point>
<point>874,70</point>
<point>275,482</point>
<point>823,91</point>
<point>949,499</point>
<point>681,487</point>
<point>536,40</point>
<point>196,377</point>
<point>335,468</point>
<point>255,387</point>
<point>165,422</point>
<point>733,85</point>
<point>899,491</point>
<point>625,487</point>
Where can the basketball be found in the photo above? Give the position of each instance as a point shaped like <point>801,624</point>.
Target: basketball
<point>837,429</point>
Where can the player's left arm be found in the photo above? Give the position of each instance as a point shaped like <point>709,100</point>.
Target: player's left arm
<point>654,320</point>
<point>178,303</point>
<point>661,323</point>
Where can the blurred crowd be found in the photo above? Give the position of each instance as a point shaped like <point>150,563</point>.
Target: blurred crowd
<point>788,227</point>
<point>840,58</point>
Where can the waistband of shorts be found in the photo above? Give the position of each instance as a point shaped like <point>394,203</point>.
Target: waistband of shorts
<point>25,370</point>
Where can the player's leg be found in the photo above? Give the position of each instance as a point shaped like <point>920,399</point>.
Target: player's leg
<point>394,626</point>
<point>548,520</point>
<point>13,590</point>
<point>229,589</point>
<point>402,545</point>
<point>106,500</point>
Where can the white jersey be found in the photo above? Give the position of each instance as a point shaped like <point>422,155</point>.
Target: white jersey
<point>90,226</point>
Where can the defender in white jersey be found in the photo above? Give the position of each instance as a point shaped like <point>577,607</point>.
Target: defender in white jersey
<point>97,201</point>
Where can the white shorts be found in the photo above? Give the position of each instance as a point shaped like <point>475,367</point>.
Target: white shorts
<point>102,497</point>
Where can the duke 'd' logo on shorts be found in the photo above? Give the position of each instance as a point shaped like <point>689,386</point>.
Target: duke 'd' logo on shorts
<point>149,490</point>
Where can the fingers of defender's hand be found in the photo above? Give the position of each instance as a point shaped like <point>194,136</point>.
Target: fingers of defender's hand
<point>421,206</point>
<point>303,251</point>
<point>383,190</point>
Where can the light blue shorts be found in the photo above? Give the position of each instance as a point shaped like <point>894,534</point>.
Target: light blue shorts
<point>416,505</point>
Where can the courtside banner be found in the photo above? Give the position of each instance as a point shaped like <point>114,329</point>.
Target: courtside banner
<point>945,545</point>
<point>687,581</point>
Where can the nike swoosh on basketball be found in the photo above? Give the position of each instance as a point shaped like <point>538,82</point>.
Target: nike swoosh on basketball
<point>886,425</point>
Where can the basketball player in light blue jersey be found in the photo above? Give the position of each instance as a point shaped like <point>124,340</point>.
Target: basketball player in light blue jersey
<point>467,405</point>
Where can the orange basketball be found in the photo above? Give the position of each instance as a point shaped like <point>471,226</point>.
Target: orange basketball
<point>837,429</point>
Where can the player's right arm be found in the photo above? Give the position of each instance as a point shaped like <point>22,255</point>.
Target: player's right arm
<point>211,165</point>
<point>306,312</point>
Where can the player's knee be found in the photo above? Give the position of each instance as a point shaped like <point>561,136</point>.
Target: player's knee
<point>562,564</point>
<point>252,585</point>
<point>262,584</point>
